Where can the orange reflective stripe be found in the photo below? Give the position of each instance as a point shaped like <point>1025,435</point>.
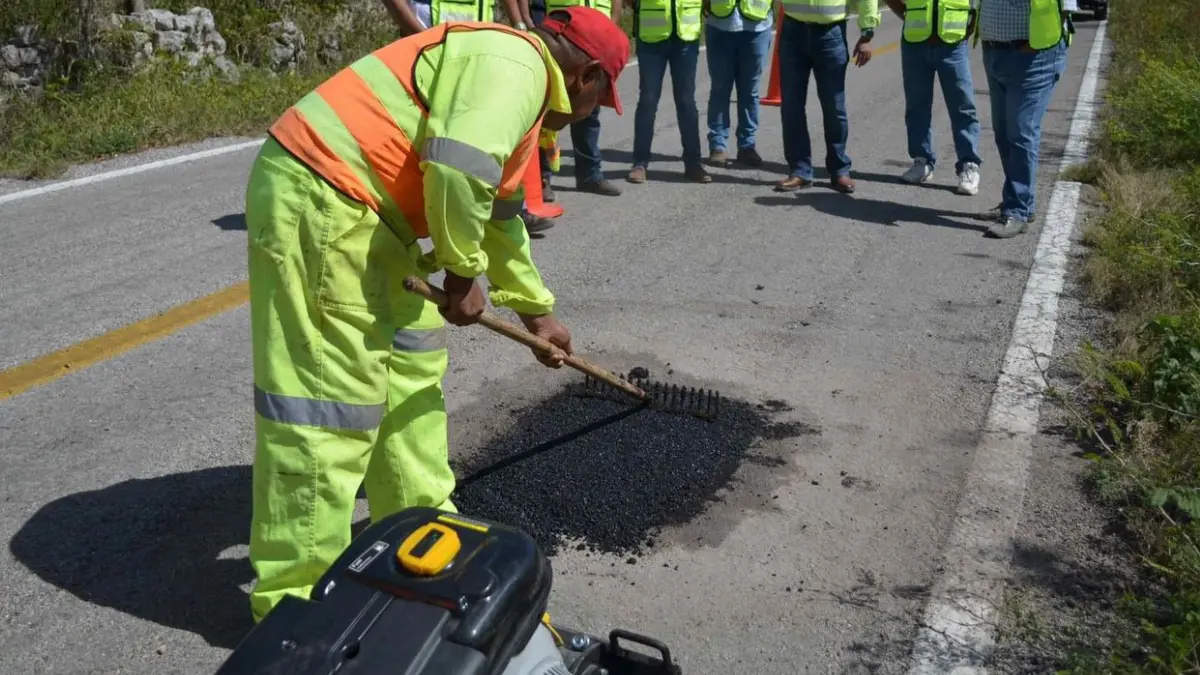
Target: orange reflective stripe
<point>299,137</point>
<point>514,168</point>
<point>385,146</point>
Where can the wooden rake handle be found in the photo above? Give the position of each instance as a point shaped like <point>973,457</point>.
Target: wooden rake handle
<point>438,297</point>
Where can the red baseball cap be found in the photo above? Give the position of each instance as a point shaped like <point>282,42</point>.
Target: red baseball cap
<point>599,37</point>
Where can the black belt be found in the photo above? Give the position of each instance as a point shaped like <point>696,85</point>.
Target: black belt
<point>1006,44</point>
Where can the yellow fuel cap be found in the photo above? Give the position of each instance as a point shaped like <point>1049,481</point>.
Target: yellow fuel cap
<point>429,549</point>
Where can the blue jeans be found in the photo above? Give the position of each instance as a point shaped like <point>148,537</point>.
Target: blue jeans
<point>734,59</point>
<point>585,134</point>
<point>920,62</point>
<point>1020,85</point>
<point>653,61</point>
<point>821,51</point>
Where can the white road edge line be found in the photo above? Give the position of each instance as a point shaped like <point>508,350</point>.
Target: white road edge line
<point>958,632</point>
<point>151,166</point>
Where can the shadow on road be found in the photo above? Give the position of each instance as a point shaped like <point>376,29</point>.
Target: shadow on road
<point>152,549</point>
<point>232,222</point>
<point>874,210</point>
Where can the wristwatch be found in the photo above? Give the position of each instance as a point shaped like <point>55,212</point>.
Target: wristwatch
<point>868,34</point>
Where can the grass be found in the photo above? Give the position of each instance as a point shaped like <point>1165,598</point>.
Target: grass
<point>39,139</point>
<point>108,112</point>
<point>1140,400</point>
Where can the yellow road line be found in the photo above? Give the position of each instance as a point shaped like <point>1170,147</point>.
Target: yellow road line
<point>58,364</point>
<point>101,348</point>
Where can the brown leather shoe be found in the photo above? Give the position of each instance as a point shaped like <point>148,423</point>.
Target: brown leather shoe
<point>843,184</point>
<point>792,183</point>
<point>637,175</point>
<point>718,158</point>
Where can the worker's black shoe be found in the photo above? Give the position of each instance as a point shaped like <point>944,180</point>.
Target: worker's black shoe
<point>599,187</point>
<point>535,223</point>
<point>749,157</point>
<point>1007,228</point>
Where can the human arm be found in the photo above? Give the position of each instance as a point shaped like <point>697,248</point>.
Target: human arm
<point>403,16</point>
<point>512,9</point>
<point>897,6</point>
<point>617,8</point>
<point>473,129</point>
<point>868,21</point>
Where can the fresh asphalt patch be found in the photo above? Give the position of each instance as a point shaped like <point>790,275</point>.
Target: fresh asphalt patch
<point>608,477</point>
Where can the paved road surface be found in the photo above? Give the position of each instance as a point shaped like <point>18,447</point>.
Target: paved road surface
<point>878,319</point>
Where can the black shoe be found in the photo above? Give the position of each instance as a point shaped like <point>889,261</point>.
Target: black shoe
<point>599,187</point>
<point>536,223</point>
<point>749,157</point>
<point>547,191</point>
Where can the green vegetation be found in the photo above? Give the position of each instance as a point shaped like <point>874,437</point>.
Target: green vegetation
<point>97,110</point>
<point>1140,403</point>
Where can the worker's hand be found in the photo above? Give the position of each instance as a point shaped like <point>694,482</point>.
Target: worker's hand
<point>862,52</point>
<point>548,328</point>
<point>467,300</point>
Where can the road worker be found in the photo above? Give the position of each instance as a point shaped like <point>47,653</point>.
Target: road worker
<point>417,140</point>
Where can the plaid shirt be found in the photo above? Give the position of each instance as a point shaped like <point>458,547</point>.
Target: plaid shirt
<point>1008,20</point>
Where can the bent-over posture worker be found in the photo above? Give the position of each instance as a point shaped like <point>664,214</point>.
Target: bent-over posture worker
<point>426,138</point>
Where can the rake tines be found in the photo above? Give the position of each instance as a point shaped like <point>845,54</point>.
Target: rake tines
<point>702,403</point>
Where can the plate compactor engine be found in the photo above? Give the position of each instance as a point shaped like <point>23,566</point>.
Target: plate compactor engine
<point>426,592</point>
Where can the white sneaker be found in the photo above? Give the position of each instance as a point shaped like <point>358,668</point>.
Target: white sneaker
<point>919,172</point>
<point>968,180</point>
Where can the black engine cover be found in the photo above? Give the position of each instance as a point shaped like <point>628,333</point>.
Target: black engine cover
<point>372,614</point>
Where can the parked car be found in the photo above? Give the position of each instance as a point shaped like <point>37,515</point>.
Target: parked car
<point>1099,8</point>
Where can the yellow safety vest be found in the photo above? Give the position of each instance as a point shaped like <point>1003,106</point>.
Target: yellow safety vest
<point>1046,25</point>
<point>602,5</point>
<point>752,10</point>
<point>657,19</point>
<point>951,17</point>
<point>441,11</point>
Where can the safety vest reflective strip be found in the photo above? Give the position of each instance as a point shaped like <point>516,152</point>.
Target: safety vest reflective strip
<point>442,11</point>
<point>752,10</point>
<point>602,5</point>
<point>817,11</point>
<point>656,19</point>
<point>952,19</point>
<point>1045,24</point>
<point>357,131</point>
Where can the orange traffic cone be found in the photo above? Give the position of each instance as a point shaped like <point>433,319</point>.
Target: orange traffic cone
<point>773,95</point>
<point>533,190</point>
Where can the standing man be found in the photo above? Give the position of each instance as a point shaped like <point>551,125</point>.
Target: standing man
<point>813,42</point>
<point>934,44</point>
<point>667,34</point>
<point>585,134</point>
<point>415,141</point>
<point>738,35</point>
<point>414,16</point>
<point>1024,54</point>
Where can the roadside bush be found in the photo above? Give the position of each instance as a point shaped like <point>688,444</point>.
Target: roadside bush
<point>1142,394</point>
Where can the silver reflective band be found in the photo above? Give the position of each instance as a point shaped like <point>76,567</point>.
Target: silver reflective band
<point>466,158</point>
<point>315,413</point>
<point>916,23</point>
<point>506,209</point>
<point>954,24</point>
<point>414,340</point>
<point>653,21</point>
<point>688,20</point>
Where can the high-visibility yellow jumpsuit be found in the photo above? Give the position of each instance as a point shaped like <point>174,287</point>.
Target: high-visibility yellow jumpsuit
<point>427,137</point>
